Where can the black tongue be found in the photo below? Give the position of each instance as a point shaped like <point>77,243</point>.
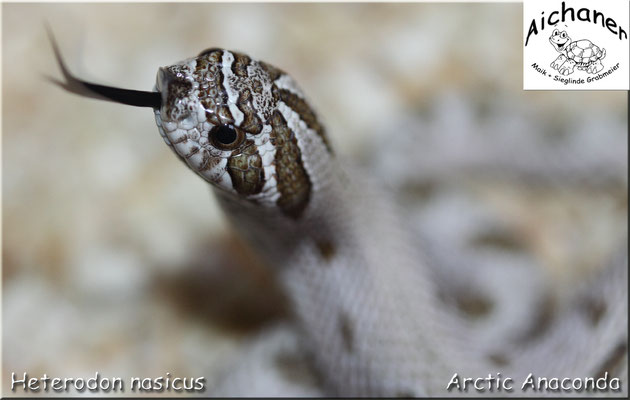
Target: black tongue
<point>72,84</point>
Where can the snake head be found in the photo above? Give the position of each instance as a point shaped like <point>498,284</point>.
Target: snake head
<point>242,125</point>
<point>215,114</point>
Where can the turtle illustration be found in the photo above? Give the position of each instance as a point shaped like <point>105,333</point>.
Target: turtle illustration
<point>582,54</point>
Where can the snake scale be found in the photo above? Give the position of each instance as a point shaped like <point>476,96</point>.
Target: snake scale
<point>366,302</point>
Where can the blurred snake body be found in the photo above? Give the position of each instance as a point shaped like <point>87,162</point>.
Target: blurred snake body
<point>367,306</point>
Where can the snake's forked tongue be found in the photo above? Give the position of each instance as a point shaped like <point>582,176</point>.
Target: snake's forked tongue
<point>72,84</point>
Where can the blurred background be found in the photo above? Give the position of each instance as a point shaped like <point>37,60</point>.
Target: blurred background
<point>115,257</point>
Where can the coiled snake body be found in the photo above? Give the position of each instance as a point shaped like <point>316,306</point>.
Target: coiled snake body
<point>365,300</point>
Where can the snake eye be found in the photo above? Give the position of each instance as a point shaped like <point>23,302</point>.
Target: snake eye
<point>225,137</point>
<point>555,32</point>
<point>563,34</point>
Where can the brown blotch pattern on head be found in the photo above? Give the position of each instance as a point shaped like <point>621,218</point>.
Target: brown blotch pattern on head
<point>294,184</point>
<point>239,66</point>
<point>212,94</point>
<point>347,331</point>
<point>326,249</point>
<point>301,107</point>
<point>251,122</point>
<point>223,116</point>
<point>274,73</point>
<point>177,89</point>
<point>246,169</point>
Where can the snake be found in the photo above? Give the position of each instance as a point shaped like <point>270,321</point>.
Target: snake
<point>365,296</point>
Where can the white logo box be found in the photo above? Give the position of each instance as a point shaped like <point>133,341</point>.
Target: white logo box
<point>590,49</point>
